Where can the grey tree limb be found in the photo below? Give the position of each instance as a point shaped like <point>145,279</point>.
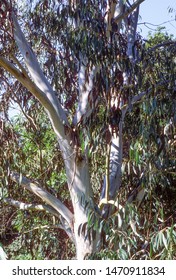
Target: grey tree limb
<point>128,11</point>
<point>31,206</point>
<point>44,195</point>
<point>36,72</point>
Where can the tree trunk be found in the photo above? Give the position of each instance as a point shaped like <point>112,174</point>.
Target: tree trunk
<point>78,178</point>
<point>86,239</point>
<point>86,236</point>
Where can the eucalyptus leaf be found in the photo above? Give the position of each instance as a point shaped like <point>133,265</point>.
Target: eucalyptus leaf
<point>165,241</point>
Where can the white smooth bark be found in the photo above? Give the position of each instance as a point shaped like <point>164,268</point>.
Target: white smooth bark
<point>77,170</point>
<point>116,153</point>
<point>36,72</point>
<point>44,195</point>
<point>41,96</point>
<point>132,34</point>
<point>30,206</point>
<point>128,11</point>
<point>85,86</point>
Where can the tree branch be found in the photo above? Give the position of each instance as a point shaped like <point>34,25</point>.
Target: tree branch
<point>40,95</point>
<point>40,207</point>
<point>128,11</point>
<point>138,97</point>
<point>85,106</point>
<point>132,27</point>
<point>164,44</point>
<point>110,13</point>
<point>85,87</point>
<point>31,206</point>
<point>44,195</point>
<point>58,226</point>
<point>115,176</point>
<point>35,70</point>
<point>30,120</point>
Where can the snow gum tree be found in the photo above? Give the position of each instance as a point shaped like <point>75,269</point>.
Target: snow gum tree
<point>88,67</point>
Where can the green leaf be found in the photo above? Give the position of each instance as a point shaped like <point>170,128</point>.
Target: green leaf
<point>123,254</point>
<point>137,157</point>
<point>91,218</point>
<point>165,241</point>
<point>120,221</point>
<point>102,223</point>
<point>160,240</point>
<point>131,153</point>
<point>84,227</point>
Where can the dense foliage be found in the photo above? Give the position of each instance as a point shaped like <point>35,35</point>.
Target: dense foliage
<point>143,223</point>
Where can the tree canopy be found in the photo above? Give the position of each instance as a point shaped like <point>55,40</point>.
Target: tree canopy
<point>94,146</point>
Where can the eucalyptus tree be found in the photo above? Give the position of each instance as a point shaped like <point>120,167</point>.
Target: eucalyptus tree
<point>87,66</point>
